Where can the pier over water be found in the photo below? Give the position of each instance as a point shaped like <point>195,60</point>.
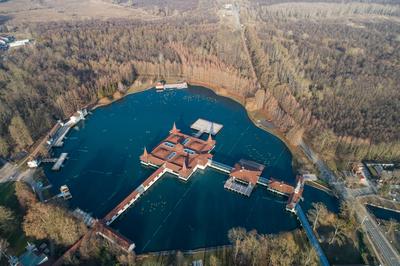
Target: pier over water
<point>131,198</point>
<point>101,176</point>
<point>181,155</point>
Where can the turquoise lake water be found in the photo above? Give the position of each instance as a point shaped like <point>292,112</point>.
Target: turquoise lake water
<point>104,167</point>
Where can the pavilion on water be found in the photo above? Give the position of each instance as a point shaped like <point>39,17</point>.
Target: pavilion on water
<point>180,154</point>
<point>244,177</point>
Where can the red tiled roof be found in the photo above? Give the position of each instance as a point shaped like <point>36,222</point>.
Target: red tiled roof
<point>132,195</point>
<point>199,147</point>
<point>115,237</point>
<point>281,186</point>
<point>174,138</point>
<point>244,174</point>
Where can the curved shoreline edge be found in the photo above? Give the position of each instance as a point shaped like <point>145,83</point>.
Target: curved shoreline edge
<point>218,90</point>
<point>296,153</point>
<point>222,91</point>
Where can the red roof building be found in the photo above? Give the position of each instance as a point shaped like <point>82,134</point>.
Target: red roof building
<point>244,176</point>
<point>280,187</point>
<point>182,154</point>
<point>296,196</point>
<point>114,237</point>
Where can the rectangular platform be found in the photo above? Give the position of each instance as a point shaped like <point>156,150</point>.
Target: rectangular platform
<point>239,188</point>
<point>205,126</point>
<point>59,161</point>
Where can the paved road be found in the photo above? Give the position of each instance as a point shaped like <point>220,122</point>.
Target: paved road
<point>380,243</point>
<point>386,253</point>
<point>384,250</point>
<point>8,173</point>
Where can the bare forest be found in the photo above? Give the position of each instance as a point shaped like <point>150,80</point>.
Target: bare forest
<point>324,72</point>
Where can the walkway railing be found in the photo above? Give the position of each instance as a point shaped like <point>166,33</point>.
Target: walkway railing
<point>263,181</point>
<point>310,234</point>
<point>131,198</point>
<point>220,166</point>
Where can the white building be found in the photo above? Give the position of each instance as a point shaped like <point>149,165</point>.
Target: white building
<point>34,163</point>
<point>228,6</point>
<point>78,116</point>
<point>19,43</point>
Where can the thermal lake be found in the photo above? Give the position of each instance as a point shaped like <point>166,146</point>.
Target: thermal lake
<point>104,167</point>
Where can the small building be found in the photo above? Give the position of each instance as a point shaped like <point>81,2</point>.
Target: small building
<point>361,171</point>
<point>244,176</point>
<point>160,85</point>
<point>246,172</point>
<point>34,163</point>
<point>115,238</point>
<point>228,6</point>
<point>296,196</point>
<point>31,257</point>
<point>7,39</point>
<point>19,43</point>
<point>280,187</point>
<point>78,116</point>
<point>65,193</point>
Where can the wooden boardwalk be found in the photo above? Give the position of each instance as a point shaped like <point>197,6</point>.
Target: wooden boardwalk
<point>220,166</point>
<point>230,184</point>
<point>131,198</point>
<point>205,126</point>
<point>59,161</point>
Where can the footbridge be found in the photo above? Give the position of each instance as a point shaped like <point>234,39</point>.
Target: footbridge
<point>263,181</point>
<point>131,198</point>
<point>220,166</point>
<point>310,234</point>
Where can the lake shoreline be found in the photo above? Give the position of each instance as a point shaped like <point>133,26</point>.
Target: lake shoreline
<point>221,91</point>
<point>218,90</point>
<point>241,139</point>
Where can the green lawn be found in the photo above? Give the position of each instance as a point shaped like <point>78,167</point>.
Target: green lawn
<point>17,238</point>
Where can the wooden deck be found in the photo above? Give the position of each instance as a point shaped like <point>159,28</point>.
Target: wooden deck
<point>230,184</point>
<point>59,161</point>
<point>205,126</point>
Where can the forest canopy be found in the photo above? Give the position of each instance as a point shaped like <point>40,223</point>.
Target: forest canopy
<point>327,72</point>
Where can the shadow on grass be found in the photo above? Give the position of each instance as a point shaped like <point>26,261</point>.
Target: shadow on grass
<point>346,253</point>
<point>16,238</point>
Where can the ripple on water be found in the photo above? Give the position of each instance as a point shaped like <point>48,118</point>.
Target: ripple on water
<point>173,214</point>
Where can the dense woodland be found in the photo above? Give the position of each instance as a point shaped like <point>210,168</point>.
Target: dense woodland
<point>334,69</point>
<point>250,248</point>
<point>23,218</point>
<point>72,65</point>
<point>338,234</point>
<point>327,73</point>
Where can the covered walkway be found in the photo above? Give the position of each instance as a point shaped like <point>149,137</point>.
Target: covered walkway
<point>131,198</point>
<point>310,234</point>
<point>220,166</point>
